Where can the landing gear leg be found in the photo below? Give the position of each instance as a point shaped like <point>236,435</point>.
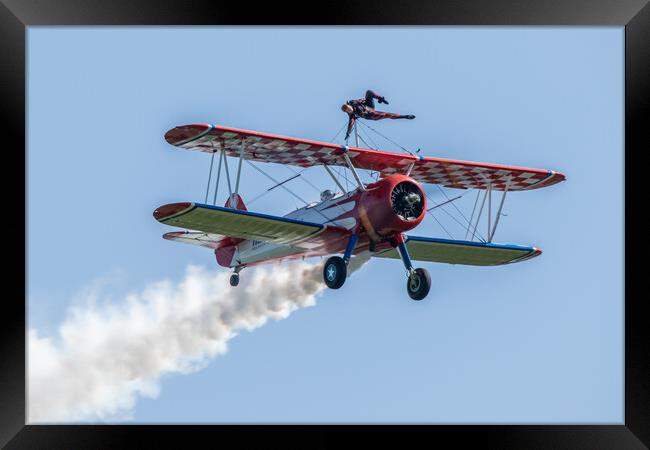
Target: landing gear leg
<point>234,278</point>
<point>335,270</point>
<point>418,282</point>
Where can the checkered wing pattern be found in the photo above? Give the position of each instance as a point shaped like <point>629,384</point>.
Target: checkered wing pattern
<point>271,148</point>
<point>471,175</point>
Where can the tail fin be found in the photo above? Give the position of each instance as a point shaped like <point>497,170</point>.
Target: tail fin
<point>239,202</point>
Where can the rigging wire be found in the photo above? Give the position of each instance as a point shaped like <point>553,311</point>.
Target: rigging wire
<point>281,184</point>
<point>338,172</point>
<point>371,171</point>
<point>388,139</point>
<point>303,178</point>
<point>459,211</point>
<point>341,173</point>
<point>338,132</point>
<point>441,225</point>
<point>276,182</point>
<point>364,141</point>
<point>478,219</point>
<point>250,202</point>
<point>442,208</point>
<point>441,190</point>
<point>375,146</point>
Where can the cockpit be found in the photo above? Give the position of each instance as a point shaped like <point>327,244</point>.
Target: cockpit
<point>326,195</point>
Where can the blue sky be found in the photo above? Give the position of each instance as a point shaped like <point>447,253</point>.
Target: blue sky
<point>540,341</point>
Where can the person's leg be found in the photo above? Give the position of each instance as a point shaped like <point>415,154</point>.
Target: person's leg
<point>378,115</point>
<point>370,99</point>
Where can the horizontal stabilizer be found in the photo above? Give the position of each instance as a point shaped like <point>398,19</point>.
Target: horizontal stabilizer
<point>209,240</point>
<point>462,252</point>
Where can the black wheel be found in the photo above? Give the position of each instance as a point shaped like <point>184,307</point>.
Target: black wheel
<point>334,272</point>
<point>234,279</point>
<point>418,284</point>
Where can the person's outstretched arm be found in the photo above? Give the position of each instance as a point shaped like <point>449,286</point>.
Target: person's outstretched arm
<point>351,122</point>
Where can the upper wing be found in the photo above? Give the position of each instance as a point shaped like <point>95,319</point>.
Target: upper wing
<point>216,220</point>
<point>462,252</point>
<point>302,152</point>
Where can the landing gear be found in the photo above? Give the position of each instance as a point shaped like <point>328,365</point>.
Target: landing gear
<point>418,284</point>
<point>234,278</point>
<point>334,272</point>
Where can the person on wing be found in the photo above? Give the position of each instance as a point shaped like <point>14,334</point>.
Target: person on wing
<point>365,108</point>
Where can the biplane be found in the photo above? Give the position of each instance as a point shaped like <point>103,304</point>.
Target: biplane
<point>372,217</point>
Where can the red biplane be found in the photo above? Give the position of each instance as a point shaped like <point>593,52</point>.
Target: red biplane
<point>372,217</point>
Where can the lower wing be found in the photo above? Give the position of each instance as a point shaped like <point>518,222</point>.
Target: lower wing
<point>213,223</point>
<point>462,252</point>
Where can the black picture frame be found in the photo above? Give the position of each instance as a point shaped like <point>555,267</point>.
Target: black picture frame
<point>634,15</point>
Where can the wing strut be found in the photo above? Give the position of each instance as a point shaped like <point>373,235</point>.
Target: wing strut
<point>228,177</point>
<point>216,188</point>
<point>233,197</point>
<point>489,224</point>
<point>469,222</point>
<point>351,167</point>
<point>207,190</point>
<point>478,218</point>
<point>496,221</point>
<point>488,196</point>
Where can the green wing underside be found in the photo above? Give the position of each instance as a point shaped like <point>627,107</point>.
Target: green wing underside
<point>247,225</point>
<point>462,252</point>
<point>242,224</point>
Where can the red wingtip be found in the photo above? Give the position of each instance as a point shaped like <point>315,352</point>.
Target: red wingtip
<point>185,133</point>
<point>170,209</point>
<point>173,234</point>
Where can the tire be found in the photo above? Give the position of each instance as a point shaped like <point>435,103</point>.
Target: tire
<point>418,284</point>
<point>334,272</point>
<point>234,279</point>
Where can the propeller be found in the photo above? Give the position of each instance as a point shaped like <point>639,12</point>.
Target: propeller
<point>407,201</point>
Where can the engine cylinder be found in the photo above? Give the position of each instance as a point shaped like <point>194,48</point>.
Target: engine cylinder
<point>392,205</point>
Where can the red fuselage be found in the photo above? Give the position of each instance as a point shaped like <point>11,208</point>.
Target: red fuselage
<point>384,209</point>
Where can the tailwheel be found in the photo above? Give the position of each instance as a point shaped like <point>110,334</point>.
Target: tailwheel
<point>418,284</point>
<point>234,279</point>
<point>335,272</point>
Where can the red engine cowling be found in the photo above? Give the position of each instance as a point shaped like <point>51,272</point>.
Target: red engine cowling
<point>392,205</point>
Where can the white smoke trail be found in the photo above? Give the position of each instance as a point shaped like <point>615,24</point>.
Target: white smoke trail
<point>106,355</point>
